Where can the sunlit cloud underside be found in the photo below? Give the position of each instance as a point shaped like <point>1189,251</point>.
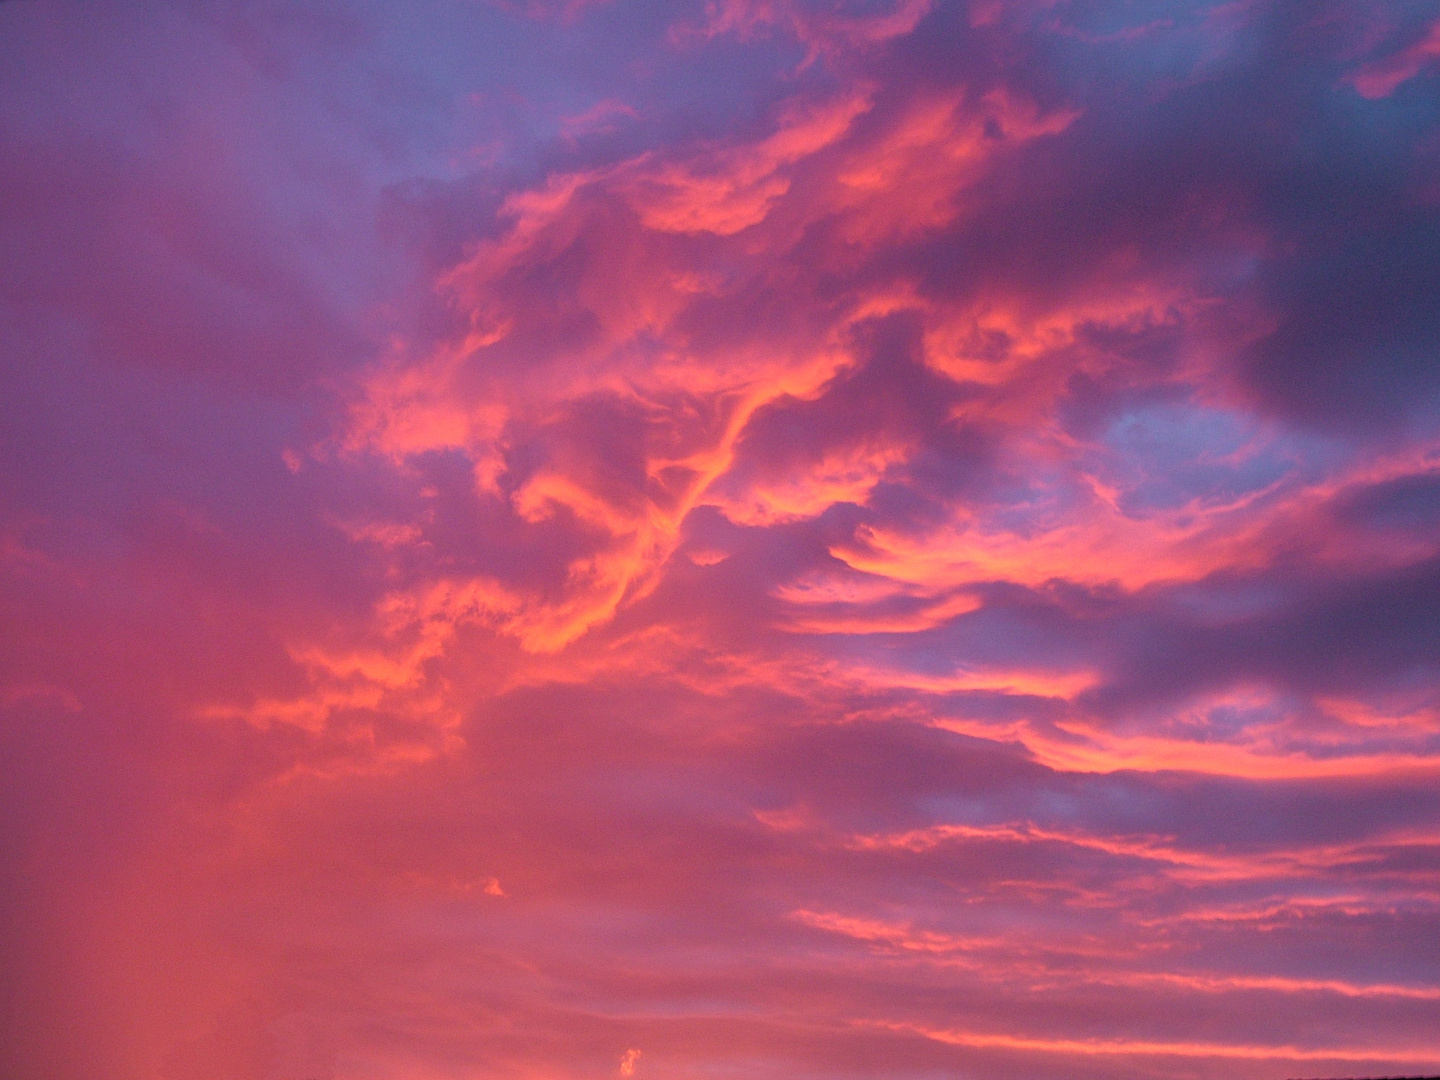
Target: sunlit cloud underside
<point>782,539</point>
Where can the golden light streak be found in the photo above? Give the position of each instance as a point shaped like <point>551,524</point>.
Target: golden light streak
<point>1420,1056</point>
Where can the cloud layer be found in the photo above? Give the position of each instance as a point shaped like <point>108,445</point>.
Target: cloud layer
<point>768,538</point>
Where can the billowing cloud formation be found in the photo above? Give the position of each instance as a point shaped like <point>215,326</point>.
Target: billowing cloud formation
<point>783,538</point>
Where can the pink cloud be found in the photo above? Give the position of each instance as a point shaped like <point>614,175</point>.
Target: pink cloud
<point>854,539</point>
<point>1380,78</point>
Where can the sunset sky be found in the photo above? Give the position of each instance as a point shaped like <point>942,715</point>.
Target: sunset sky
<point>719,539</point>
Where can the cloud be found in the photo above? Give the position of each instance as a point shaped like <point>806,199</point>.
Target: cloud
<point>812,539</point>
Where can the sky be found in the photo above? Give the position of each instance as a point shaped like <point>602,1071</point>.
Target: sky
<point>716,539</point>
